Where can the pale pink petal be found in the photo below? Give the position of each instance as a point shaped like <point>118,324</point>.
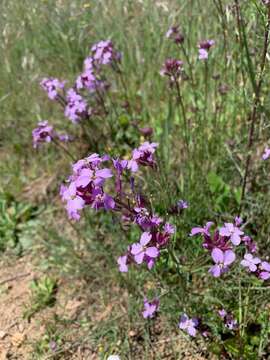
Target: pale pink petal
<point>139,258</point>
<point>145,238</point>
<point>136,248</point>
<point>152,252</point>
<point>217,255</point>
<point>229,257</point>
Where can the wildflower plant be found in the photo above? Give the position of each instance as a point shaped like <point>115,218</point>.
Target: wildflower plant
<point>203,266</point>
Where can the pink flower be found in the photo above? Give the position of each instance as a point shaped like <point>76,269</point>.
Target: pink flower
<point>122,262</point>
<point>231,231</point>
<point>266,153</point>
<point>140,250</point>
<point>188,325</point>
<point>250,262</point>
<point>150,308</point>
<point>202,230</point>
<point>265,270</point>
<point>222,261</point>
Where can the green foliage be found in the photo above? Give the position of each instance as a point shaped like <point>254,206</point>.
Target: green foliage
<point>43,294</point>
<point>224,195</point>
<point>17,223</point>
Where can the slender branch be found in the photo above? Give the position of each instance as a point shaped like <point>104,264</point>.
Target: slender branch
<point>62,147</point>
<point>256,104</point>
<point>180,101</point>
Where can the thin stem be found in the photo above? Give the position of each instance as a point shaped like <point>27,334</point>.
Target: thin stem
<point>193,84</point>
<point>205,88</point>
<point>62,147</point>
<point>182,107</point>
<point>218,4</point>
<point>256,104</point>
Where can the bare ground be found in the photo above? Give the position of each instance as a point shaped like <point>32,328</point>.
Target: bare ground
<point>19,336</point>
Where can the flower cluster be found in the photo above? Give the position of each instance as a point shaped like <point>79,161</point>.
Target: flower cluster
<point>147,249</point>
<point>104,53</point>
<point>174,34</point>
<point>179,207</point>
<point>86,183</point>
<point>52,86</point>
<point>86,186</point>
<point>229,321</point>
<point>221,244</point>
<point>76,106</point>
<point>143,155</point>
<point>189,325</point>
<point>256,266</point>
<point>172,68</point>
<point>44,133</point>
<point>150,308</point>
<point>204,47</point>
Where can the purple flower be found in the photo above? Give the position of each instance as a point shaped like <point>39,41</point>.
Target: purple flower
<point>203,54</point>
<point>222,261</point>
<point>102,200</point>
<point>143,156</point>
<point>204,47</point>
<point>122,262</point>
<point>206,44</point>
<point>174,34</point>
<point>89,64</point>
<point>150,308</point>
<point>140,250</point>
<point>230,322</point>
<point>43,133</point>
<point>182,204</point>
<point>250,262</point>
<point>53,345</point>
<point>188,325</point>
<point>172,68</point>
<point>145,220</point>
<point>228,319</point>
<point>98,177</point>
<point>266,153</point>
<point>146,131</point>
<point>74,201</point>
<point>202,230</point>
<point>231,231</point>
<point>250,245</point>
<point>238,221</point>
<point>120,166</point>
<point>76,106</point>
<point>163,237</point>
<point>88,81</point>
<point>104,53</point>
<point>222,313</point>
<point>52,86</point>
<point>64,137</point>
<point>265,270</point>
<point>87,181</point>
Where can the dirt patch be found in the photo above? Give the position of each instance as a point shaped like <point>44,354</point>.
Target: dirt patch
<point>71,339</point>
<point>14,294</point>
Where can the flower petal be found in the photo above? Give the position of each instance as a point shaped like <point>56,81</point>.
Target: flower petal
<point>229,257</point>
<point>217,255</point>
<point>136,248</point>
<point>145,238</point>
<point>152,252</point>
